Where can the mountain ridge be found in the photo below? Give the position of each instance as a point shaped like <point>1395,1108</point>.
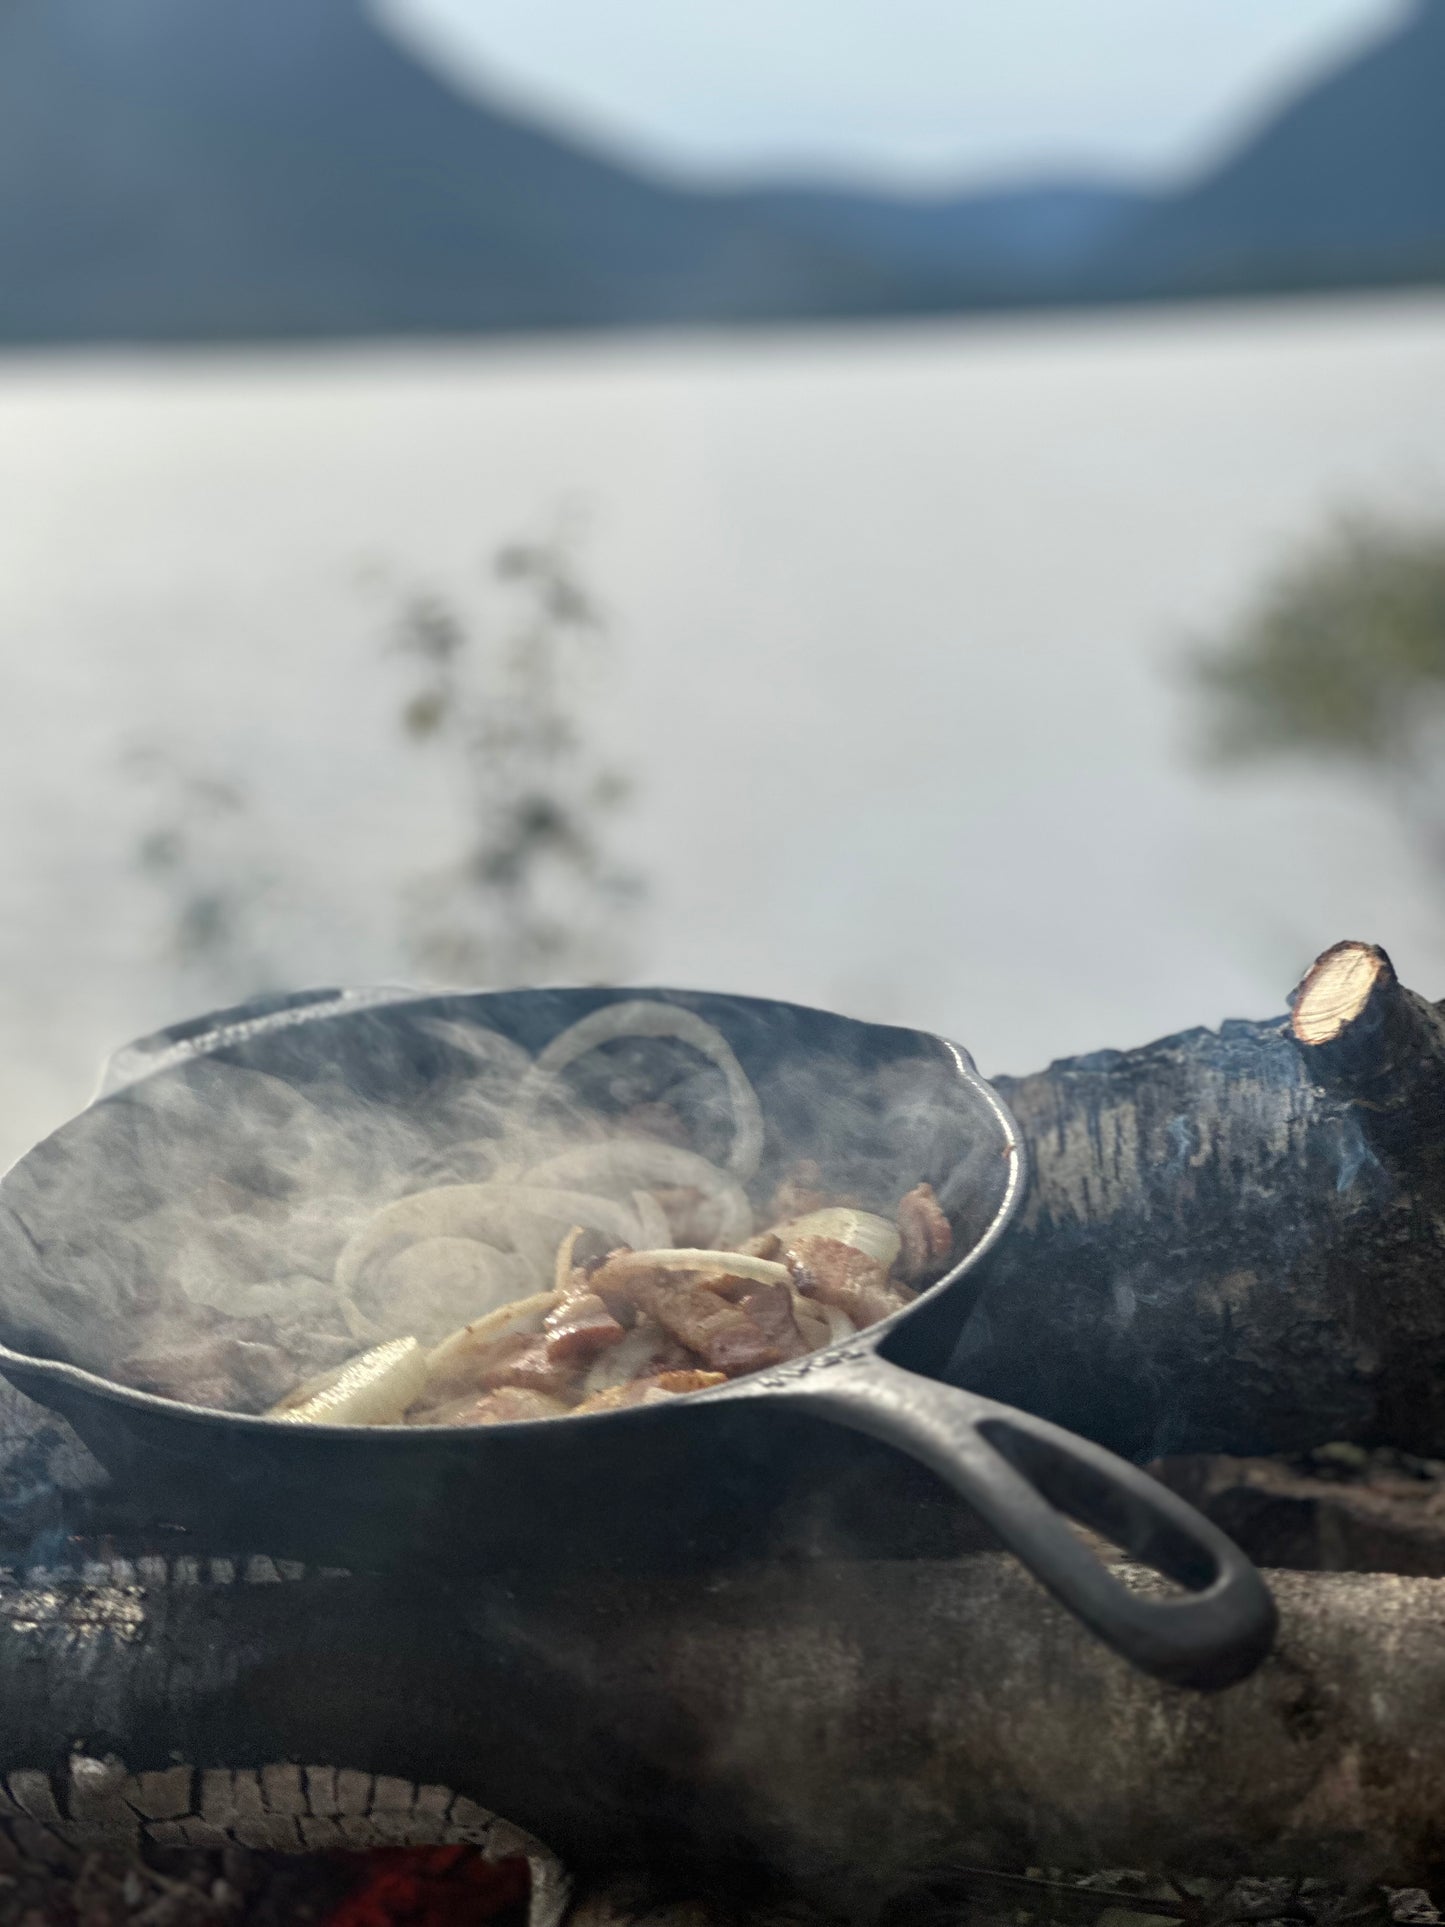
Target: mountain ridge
<point>196,170</point>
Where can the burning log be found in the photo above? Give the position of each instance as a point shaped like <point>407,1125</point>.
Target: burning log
<point>1234,1240</point>
<point>845,1726</point>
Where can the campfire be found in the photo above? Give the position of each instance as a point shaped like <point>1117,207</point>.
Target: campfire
<point>1226,1266</point>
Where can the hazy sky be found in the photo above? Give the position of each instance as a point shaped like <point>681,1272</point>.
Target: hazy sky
<point>903,90</point>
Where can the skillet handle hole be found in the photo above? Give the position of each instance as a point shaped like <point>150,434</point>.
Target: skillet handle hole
<point>1083,1495</point>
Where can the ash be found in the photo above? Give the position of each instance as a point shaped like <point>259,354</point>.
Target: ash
<point>238,1888</point>
<point>235,1887</point>
<point>232,1888</point>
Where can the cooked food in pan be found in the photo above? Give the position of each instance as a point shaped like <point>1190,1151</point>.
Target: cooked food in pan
<point>574,1233</point>
<point>632,1327</point>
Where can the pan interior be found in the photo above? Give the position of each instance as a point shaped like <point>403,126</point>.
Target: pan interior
<point>270,1143</point>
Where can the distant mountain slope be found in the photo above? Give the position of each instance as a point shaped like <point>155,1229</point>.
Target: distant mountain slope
<point>1345,185</point>
<point>233,169</point>
<point>237,167</point>
<point>1004,238</point>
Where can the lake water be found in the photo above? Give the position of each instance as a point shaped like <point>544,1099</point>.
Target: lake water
<point>897,612</point>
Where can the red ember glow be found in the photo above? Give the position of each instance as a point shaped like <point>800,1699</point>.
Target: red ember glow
<point>431,1887</point>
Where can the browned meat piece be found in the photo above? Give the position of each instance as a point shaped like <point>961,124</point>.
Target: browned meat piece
<point>926,1233</point>
<point>837,1274</point>
<point>731,1290</point>
<point>646,1350</point>
<point>768,1336</point>
<point>580,1328</point>
<point>732,1338</point>
<point>618,1303</point>
<point>219,1371</point>
<point>645,1391</point>
<point>695,1316</point>
<point>534,1369</point>
<point>505,1406</point>
<point>726,1337</point>
<point>771,1309</point>
<point>674,1383</point>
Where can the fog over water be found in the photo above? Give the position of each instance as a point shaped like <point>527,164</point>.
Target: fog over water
<point>897,615</point>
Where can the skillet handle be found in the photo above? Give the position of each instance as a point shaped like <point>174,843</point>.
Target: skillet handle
<point>1021,1473</point>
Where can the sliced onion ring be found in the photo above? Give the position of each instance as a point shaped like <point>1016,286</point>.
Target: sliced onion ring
<point>562,1270</point>
<point>525,1315</point>
<point>374,1389</point>
<point>646,1017</point>
<point>651,1220</point>
<point>481,1211</point>
<point>624,1162</point>
<point>477,1041</point>
<point>715,1264</point>
<point>864,1230</point>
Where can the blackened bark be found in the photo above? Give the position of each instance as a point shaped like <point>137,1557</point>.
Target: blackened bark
<point>841,1727</point>
<point>1234,1240</point>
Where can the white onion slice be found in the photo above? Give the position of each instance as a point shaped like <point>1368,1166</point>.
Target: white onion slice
<point>481,1211</point>
<point>374,1389</point>
<point>525,1315</point>
<point>645,1017</point>
<point>652,1222</point>
<point>863,1230</point>
<point>562,1269</point>
<point>535,1242</point>
<point>724,1264</point>
<point>488,1047</point>
<point>816,1330</point>
<point>428,1288</point>
<point>624,1162</point>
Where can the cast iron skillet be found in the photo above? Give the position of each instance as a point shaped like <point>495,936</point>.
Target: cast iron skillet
<point>709,1475</point>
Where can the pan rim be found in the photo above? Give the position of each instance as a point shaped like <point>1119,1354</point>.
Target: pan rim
<point>754,1384</point>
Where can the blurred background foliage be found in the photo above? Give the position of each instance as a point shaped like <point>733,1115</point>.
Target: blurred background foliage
<point>1341,657</point>
<point>537,893</point>
<point>892,610</point>
<point>496,690</point>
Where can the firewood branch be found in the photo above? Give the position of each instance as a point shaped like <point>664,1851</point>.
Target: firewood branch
<point>825,1724</point>
<point>1235,1239</point>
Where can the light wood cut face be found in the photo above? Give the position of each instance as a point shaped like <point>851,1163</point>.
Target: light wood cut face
<point>1336,990</point>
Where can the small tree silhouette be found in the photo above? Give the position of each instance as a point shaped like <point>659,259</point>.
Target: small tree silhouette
<point>1342,658</point>
<point>535,892</point>
<point>198,849</point>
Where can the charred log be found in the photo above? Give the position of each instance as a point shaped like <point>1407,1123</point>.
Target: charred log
<point>1235,1240</point>
<point>843,1726</point>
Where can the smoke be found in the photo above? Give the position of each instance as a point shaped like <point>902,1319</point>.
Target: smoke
<point>234,1224</point>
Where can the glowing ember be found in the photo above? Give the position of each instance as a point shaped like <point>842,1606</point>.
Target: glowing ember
<point>431,1887</point>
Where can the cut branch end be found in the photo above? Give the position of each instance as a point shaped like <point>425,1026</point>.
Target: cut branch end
<point>1337,989</point>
